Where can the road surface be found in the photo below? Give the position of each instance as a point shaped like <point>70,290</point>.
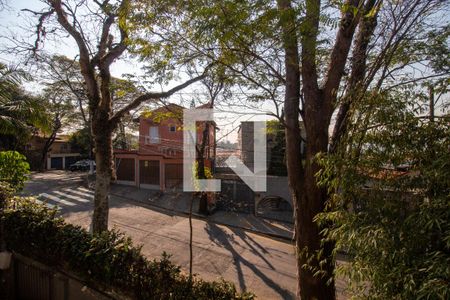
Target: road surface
<point>253,262</point>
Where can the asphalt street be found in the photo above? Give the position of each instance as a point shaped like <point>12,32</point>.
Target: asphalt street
<point>253,262</point>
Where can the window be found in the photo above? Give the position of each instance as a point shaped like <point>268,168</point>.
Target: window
<point>172,128</point>
<point>154,135</point>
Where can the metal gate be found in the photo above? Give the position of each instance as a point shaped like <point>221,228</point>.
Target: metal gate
<point>174,175</point>
<point>149,172</point>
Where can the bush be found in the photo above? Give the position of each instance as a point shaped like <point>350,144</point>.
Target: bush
<point>13,169</point>
<point>106,261</point>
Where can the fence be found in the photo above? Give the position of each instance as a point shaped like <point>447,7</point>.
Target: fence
<point>27,279</point>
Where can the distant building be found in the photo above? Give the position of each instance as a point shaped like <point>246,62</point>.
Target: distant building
<point>158,162</point>
<point>276,146</point>
<point>59,157</point>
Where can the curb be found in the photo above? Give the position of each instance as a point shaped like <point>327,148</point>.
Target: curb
<point>205,218</point>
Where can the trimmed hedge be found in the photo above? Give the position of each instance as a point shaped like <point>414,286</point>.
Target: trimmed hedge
<point>108,261</point>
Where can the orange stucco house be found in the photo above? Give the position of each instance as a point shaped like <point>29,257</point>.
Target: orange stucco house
<point>158,162</point>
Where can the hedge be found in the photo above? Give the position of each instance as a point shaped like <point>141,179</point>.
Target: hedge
<point>108,261</point>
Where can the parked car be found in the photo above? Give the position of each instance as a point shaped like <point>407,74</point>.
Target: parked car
<point>82,165</point>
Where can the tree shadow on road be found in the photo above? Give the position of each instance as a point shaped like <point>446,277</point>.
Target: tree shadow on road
<point>226,240</point>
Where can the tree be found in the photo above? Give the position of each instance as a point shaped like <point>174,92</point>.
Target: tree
<point>20,113</point>
<point>60,111</point>
<point>214,86</point>
<point>80,141</point>
<point>392,212</point>
<point>96,55</point>
<point>276,47</point>
<point>64,74</point>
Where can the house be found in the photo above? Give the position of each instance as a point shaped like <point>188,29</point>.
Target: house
<point>158,161</point>
<point>60,155</point>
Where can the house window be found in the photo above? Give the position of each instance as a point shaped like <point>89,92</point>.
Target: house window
<point>154,135</point>
<point>172,128</point>
<point>64,147</point>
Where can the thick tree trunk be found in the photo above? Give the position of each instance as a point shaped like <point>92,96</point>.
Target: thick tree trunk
<point>103,159</point>
<point>313,200</point>
<point>308,198</point>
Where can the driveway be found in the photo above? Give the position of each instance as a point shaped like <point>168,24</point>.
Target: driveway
<point>253,262</point>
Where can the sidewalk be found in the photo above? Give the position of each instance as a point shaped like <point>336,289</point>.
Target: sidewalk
<point>179,202</point>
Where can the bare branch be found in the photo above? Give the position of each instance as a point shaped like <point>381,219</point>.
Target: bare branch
<point>40,31</point>
<point>153,96</point>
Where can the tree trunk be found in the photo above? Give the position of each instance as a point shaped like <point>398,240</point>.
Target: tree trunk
<point>307,197</point>
<point>313,200</point>
<point>46,149</point>
<point>49,142</point>
<point>103,159</point>
<point>201,173</point>
<point>191,260</point>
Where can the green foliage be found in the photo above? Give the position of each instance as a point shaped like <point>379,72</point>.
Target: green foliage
<point>108,261</point>
<point>19,112</point>
<point>13,169</point>
<point>392,211</point>
<point>196,172</point>
<point>80,141</point>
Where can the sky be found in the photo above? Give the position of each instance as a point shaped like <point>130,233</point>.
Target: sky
<point>14,23</point>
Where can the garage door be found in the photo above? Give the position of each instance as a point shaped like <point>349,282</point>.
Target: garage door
<point>56,163</point>
<point>149,172</point>
<point>125,169</point>
<point>174,175</point>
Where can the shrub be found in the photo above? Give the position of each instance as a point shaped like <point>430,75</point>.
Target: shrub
<point>104,261</point>
<point>13,168</point>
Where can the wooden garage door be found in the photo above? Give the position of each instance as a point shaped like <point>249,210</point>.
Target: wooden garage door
<point>149,172</point>
<point>125,169</point>
<point>174,175</point>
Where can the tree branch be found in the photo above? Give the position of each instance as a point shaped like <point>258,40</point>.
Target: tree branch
<point>153,96</point>
<point>359,61</point>
<point>309,32</point>
<point>39,27</point>
<point>85,63</point>
<point>341,48</point>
